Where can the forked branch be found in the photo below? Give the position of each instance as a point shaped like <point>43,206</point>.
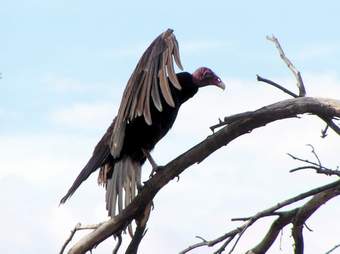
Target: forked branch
<point>274,84</point>
<point>297,216</point>
<point>296,72</point>
<point>317,166</point>
<point>76,228</point>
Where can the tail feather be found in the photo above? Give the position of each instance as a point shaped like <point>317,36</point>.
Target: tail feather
<point>97,160</point>
<point>111,193</point>
<point>119,185</point>
<point>132,175</point>
<point>122,185</point>
<point>100,156</point>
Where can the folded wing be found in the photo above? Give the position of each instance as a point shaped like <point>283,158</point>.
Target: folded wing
<point>147,84</point>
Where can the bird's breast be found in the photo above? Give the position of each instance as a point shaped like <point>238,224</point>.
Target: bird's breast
<point>140,136</point>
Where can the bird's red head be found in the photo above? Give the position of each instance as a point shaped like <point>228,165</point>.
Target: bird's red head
<point>204,76</point>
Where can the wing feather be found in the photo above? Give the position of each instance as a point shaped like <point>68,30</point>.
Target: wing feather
<point>163,82</point>
<point>146,111</point>
<point>134,102</point>
<point>176,54</point>
<point>156,96</point>
<point>170,66</point>
<point>142,97</point>
<point>149,80</point>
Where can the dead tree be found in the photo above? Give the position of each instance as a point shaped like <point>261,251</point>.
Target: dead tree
<point>229,129</point>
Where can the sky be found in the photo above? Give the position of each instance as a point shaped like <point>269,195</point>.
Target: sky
<point>64,65</point>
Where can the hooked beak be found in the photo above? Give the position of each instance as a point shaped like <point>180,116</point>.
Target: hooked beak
<point>221,85</point>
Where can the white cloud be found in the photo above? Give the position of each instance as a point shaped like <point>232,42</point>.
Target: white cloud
<point>38,158</point>
<point>326,84</point>
<point>232,182</point>
<point>82,115</point>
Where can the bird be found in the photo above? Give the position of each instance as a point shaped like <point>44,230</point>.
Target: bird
<point>149,106</point>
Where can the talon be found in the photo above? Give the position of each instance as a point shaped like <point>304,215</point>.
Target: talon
<point>177,178</point>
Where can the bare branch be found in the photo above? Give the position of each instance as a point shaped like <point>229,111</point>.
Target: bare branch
<point>297,74</point>
<point>228,237</point>
<point>306,211</point>
<point>250,114</point>
<point>318,167</point>
<point>298,238</point>
<point>324,131</point>
<point>308,228</point>
<point>231,119</point>
<point>301,87</point>
<point>292,200</point>
<point>284,219</point>
<point>315,155</point>
<point>224,245</point>
<point>69,239</point>
<point>74,230</point>
<point>246,226</point>
<point>303,160</point>
<point>119,243</point>
<point>332,125</point>
<point>268,240</point>
<point>298,217</point>
<point>333,249</point>
<point>270,82</point>
<point>196,245</point>
<point>248,218</point>
<point>304,167</point>
<point>139,232</point>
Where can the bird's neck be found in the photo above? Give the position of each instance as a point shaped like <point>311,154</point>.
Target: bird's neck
<point>189,89</point>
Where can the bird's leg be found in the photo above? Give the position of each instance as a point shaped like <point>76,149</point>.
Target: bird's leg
<point>154,165</point>
<point>151,160</point>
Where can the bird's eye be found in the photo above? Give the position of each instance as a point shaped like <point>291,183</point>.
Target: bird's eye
<point>207,74</point>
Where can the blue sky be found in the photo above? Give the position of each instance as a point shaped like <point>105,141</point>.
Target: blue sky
<point>64,66</point>
<point>100,42</point>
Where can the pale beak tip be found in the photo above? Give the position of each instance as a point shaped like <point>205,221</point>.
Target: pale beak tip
<point>221,85</point>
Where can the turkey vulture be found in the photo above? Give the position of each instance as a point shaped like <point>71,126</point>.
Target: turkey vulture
<point>150,103</point>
